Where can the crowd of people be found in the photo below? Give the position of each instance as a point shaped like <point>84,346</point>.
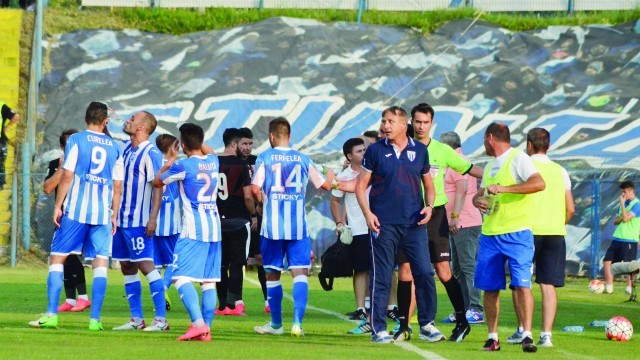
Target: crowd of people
<point>411,203</point>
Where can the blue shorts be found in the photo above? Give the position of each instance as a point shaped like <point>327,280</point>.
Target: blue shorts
<point>494,251</point>
<point>197,261</point>
<point>297,253</point>
<point>132,244</point>
<point>163,249</point>
<point>73,237</point>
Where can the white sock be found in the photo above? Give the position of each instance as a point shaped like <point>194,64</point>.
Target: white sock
<point>520,329</point>
<point>83,297</point>
<point>527,334</point>
<point>266,303</point>
<point>544,333</point>
<point>609,288</point>
<point>71,301</point>
<point>391,307</point>
<point>239,302</point>
<point>367,302</point>
<point>493,336</point>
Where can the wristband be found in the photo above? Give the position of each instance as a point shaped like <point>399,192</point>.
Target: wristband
<point>431,206</point>
<point>335,184</point>
<point>455,215</point>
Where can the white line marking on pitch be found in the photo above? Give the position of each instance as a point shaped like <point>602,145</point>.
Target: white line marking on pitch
<point>403,345</point>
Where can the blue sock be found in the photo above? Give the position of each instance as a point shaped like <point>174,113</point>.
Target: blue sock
<point>133,289</point>
<point>168,274</point>
<point>156,286</point>
<point>98,291</point>
<point>55,281</point>
<point>209,299</point>
<point>189,297</point>
<point>300,296</point>
<point>274,296</point>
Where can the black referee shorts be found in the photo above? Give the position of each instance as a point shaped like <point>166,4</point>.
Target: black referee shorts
<point>621,251</point>
<point>438,231</point>
<point>550,257</point>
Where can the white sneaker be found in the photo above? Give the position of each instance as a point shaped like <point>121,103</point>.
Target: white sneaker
<point>431,333</point>
<point>158,325</point>
<point>516,338</point>
<point>131,325</point>
<point>545,341</point>
<point>269,330</point>
<point>296,331</point>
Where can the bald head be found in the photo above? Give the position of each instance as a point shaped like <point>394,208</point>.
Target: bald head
<point>499,131</point>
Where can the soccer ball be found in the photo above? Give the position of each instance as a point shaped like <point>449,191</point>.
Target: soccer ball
<point>596,286</point>
<point>619,329</point>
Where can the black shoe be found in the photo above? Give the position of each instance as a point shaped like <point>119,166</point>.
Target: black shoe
<point>460,332</point>
<point>359,314</point>
<point>528,345</point>
<point>352,313</point>
<point>403,334</point>
<point>167,305</point>
<point>491,345</point>
<point>393,314</point>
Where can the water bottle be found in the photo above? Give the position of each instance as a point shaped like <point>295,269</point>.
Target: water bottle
<point>602,323</point>
<point>573,328</point>
<point>116,121</point>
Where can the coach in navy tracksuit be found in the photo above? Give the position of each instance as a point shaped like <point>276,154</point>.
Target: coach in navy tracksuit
<point>397,168</point>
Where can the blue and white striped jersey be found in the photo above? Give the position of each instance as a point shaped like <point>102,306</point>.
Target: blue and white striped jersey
<point>140,167</point>
<point>282,174</point>
<point>96,161</point>
<point>197,178</point>
<point>170,215</point>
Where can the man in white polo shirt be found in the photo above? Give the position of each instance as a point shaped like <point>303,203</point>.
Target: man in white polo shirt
<point>360,249</point>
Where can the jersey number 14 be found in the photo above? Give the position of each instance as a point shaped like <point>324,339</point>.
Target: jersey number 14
<point>294,180</point>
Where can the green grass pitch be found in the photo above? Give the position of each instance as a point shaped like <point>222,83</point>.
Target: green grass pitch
<point>23,297</point>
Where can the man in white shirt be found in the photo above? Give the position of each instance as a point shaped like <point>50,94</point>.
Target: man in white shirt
<point>506,232</point>
<point>353,150</point>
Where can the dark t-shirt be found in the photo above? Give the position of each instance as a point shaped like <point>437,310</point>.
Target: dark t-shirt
<point>233,176</point>
<point>396,182</point>
<point>251,159</point>
<point>53,167</point>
